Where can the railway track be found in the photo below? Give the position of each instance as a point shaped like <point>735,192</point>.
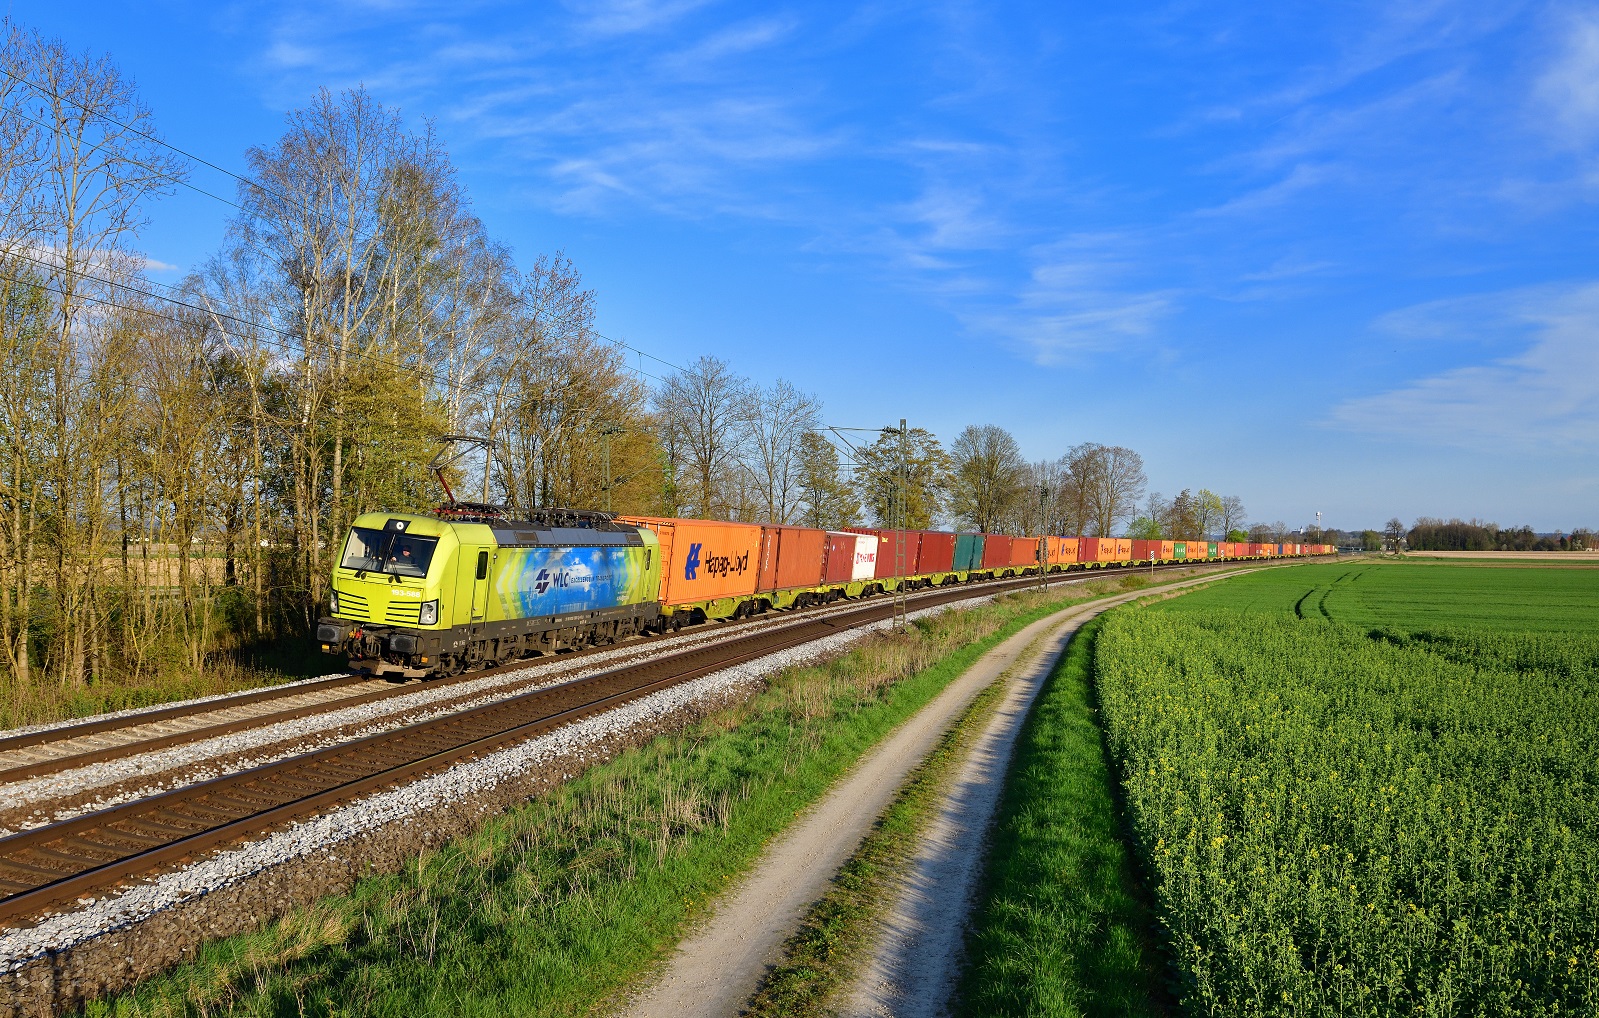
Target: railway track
<point>67,747</point>
<point>53,867</point>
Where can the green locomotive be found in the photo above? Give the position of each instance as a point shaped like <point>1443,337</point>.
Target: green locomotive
<point>420,595</point>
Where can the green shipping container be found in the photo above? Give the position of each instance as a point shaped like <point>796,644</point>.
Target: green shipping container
<point>1182,549</point>
<point>1214,551</point>
<point>968,552</point>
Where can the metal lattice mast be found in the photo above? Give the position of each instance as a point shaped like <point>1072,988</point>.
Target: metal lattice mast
<point>902,517</point>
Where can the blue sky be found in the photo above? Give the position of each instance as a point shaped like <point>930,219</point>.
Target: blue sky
<point>1325,257</point>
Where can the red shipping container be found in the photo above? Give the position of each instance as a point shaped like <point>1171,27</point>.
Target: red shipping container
<point>1096,549</point>
<point>791,557</point>
<point>889,551</point>
<point>937,554</point>
<point>840,562</point>
<point>1146,551</point>
<point>996,552</point>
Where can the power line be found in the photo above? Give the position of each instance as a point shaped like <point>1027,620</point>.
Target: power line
<point>93,111</point>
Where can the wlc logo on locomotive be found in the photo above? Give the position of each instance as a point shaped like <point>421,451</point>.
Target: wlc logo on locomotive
<point>546,579</point>
<point>715,565</point>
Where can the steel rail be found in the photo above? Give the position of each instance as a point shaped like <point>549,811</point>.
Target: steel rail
<point>46,868</point>
<point>71,761</point>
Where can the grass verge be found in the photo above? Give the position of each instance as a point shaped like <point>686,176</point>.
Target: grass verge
<point>556,905</point>
<point>1062,926</point>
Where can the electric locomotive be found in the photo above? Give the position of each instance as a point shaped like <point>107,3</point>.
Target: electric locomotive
<point>468,586</point>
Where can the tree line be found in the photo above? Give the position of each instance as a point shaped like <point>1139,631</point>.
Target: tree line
<point>1433,534</point>
<point>179,463</point>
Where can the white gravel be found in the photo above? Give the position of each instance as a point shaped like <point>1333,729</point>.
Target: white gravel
<point>202,760</point>
<point>133,712</point>
<point>106,915</point>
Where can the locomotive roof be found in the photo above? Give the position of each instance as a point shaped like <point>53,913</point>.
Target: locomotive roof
<point>527,535</point>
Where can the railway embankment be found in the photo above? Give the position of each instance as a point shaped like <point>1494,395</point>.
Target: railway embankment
<point>593,876</point>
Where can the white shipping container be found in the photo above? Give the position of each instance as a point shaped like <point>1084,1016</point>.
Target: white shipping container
<point>865,557</point>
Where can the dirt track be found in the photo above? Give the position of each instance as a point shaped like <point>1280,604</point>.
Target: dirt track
<point>717,969</point>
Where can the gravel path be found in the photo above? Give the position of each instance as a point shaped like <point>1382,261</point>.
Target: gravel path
<point>717,969</point>
<point>913,969</point>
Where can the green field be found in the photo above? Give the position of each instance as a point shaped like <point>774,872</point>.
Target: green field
<point>1417,597</point>
<point>1367,788</point>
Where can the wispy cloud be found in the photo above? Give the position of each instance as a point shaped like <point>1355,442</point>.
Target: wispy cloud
<point>1546,395</point>
<point>1570,87</point>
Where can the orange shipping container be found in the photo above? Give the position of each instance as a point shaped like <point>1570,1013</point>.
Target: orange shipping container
<point>1168,550</point>
<point>1024,552</point>
<point>702,560</point>
<point>1124,549</point>
<point>1062,550</point>
<point>791,557</point>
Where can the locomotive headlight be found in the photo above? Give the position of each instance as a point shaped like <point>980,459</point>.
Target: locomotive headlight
<point>333,602</point>
<point>429,613</point>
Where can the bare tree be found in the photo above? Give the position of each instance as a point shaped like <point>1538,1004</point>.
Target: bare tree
<point>1394,531</point>
<point>777,419</point>
<point>987,476</point>
<point>704,417</point>
<point>1111,480</point>
<point>1232,514</point>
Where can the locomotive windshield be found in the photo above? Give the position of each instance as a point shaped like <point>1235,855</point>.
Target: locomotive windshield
<point>388,551</point>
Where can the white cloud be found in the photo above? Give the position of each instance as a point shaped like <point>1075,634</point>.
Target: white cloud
<point>1545,397</point>
<point>1570,87</point>
<point>1080,298</point>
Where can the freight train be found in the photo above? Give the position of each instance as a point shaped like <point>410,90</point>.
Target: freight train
<point>416,595</point>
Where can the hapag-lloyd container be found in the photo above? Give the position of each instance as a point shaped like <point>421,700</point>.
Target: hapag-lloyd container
<point>704,560</point>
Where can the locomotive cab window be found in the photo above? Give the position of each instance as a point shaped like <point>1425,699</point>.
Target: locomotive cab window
<point>388,551</point>
<point>482,565</point>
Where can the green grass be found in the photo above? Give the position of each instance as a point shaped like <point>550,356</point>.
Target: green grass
<point>1061,927</point>
<point>554,906</point>
<point>1366,789</point>
<point>1416,596</point>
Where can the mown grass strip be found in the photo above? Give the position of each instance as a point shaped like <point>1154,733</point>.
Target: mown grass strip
<point>556,905</point>
<point>1061,926</point>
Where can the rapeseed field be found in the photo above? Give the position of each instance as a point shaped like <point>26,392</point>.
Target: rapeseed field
<point>1367,789</point>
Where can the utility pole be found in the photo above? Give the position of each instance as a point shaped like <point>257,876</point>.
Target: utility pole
<point>902,515</point>
<point>605,447</point>
<point>1043,537</point>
